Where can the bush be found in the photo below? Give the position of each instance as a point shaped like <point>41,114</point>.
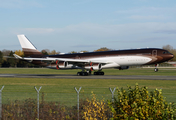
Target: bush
<point>95,109</point>
<point>27,110</point>
<point>139,104</point>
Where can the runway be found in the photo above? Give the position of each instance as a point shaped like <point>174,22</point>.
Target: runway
<point>70,76</point>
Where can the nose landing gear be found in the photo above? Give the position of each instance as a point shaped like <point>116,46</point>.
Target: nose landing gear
<point>156,69</point>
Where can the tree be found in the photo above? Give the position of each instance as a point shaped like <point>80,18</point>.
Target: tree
<point>12,62</point>
<point>1,58</point>
<point>45,52</point>
<point>5,53</point>
<point>53,52</point>
<point>140,104</point>
<point>102,49</point>
<point>19,52</point>
<point>73,52</point>
<point>84,51</point>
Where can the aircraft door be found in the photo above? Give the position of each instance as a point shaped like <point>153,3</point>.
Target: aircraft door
<point>154,53</point>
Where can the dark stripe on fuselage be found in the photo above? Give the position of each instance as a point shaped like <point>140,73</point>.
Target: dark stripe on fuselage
<point>141,52</point>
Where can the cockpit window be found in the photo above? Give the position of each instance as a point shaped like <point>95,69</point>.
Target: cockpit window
<point>166,52</point>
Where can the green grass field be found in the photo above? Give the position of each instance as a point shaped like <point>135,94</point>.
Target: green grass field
<point>62,90</point>
<point>131,71</point>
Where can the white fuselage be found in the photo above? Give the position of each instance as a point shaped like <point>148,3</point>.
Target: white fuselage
<point>112,62</point>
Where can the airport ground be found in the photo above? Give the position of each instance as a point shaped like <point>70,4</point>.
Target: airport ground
<point>62,89</point>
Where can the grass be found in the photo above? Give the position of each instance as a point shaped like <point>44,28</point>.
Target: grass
<point>62,90</point>
<point>131,71</point>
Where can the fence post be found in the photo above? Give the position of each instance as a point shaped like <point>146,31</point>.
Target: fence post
<point>78,100</point>
<point>1,102</point>
<point>38,99</point>
<point>112,92</point>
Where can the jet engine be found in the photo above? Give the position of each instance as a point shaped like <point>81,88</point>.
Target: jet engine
<point>61,64</point>
<point>97,66</point>
<point>94,66</point>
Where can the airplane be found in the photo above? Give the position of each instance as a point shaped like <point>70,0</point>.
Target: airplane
<point>94,61</point>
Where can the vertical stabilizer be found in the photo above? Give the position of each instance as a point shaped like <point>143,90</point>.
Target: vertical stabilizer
<point>28,48</point>
<point>25,43</point>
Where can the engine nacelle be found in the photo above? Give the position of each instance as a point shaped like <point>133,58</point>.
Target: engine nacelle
<point>97,66</point>
<point>123,67</point>
<point>94,66</point>
<point>61,64</point>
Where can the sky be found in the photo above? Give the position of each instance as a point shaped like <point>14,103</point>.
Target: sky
<point>78,25</point>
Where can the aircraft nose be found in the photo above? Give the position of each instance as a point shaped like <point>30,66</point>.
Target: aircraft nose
<point>170,56</point>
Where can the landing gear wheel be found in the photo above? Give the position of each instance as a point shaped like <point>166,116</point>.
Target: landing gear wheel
<point>98,73</point>
<point>78,73</point>
<point>89,72</point>
<point>82,73</point>
<point>156,69</point>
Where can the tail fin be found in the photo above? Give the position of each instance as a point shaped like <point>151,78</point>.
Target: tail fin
<point>28,48</point>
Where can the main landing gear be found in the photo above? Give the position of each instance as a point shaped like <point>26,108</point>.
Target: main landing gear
<point>156,69</point>
<point>99,73</point>
<point>83,73</point>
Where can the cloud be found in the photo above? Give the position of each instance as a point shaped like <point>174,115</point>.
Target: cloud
<point>93,36</point>
<point>84,46</point>
<point>88,30</point>
<point>141,17</point>
<point>155,38</point>
<point>19,4</point>
<point>148,13</point>
<point>32,31</point>
<point>144,10</point>
<point>166,31</point>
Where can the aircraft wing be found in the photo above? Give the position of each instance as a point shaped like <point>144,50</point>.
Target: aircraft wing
<point>62,59</point>
<point>80,60</point>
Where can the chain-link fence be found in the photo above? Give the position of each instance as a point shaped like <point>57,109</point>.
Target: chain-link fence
<point>26,102</point>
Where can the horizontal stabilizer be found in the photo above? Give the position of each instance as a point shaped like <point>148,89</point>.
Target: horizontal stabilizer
<point>16,56</point>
